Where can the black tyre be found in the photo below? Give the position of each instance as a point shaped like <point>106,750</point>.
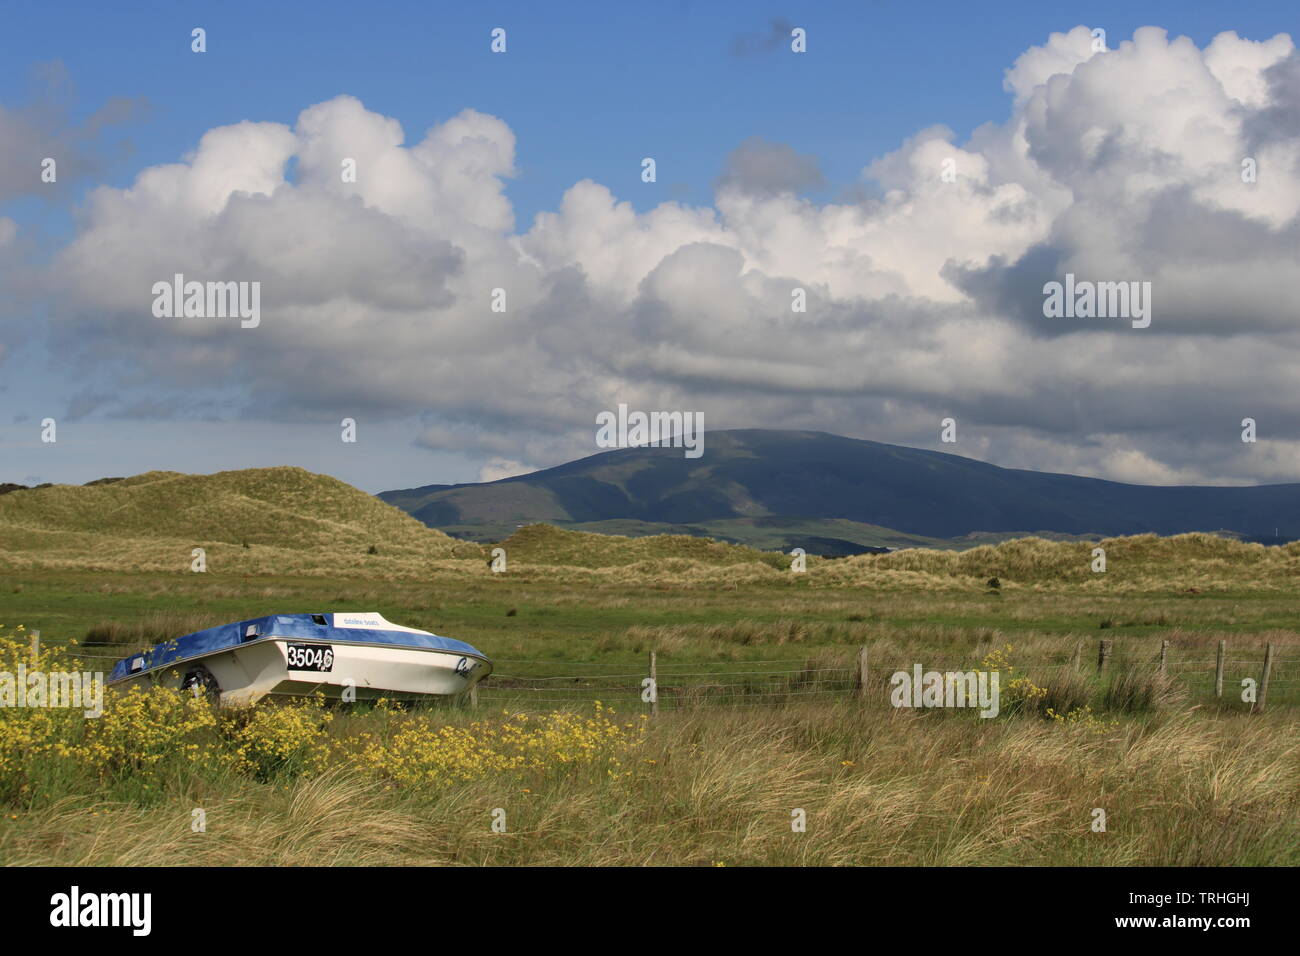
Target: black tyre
<point>200,682</point>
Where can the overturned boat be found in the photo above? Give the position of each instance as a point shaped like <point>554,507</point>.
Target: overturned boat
<point>351,656</point>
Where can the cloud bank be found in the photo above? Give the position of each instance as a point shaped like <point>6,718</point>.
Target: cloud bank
<point>923,301</point>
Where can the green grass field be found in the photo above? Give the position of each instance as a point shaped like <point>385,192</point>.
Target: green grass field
<point>542,623</point>
<point>759,714</point>
<point>1187,780</point>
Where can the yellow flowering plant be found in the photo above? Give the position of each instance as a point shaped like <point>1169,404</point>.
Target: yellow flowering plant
<point>1018,691</point>
<point>149,735</point>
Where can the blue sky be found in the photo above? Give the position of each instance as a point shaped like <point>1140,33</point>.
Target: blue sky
<point>588,89</point>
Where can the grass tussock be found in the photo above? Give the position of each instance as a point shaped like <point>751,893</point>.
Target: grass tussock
<point>1139,690</point>
<point>151,628</point>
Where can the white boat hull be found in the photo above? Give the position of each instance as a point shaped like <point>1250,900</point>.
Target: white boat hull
<point>360,671</point>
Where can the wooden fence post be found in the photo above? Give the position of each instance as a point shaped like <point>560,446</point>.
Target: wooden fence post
<point>862,672</point>
<point>1078,655</point>
<point>36,646</point>
<point>1103,654</point>
<point>473,697</point>
<point>1263,680</point>
<point>654,686</point>
<point>1218,670</point>
<point>1164,658</point>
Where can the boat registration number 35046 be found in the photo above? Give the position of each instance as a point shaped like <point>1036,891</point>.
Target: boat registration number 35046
<point>310,657</point>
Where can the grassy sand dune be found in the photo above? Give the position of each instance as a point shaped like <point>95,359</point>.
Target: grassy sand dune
<point>1137,561</point>
<point>255,521</point>
<point>277,521</point>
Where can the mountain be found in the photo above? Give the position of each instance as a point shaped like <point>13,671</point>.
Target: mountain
<point>772,488</point>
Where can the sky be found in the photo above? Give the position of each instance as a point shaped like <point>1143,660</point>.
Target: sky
<point>918,172</point>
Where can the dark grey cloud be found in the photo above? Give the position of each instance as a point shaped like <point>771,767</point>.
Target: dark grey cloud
<point>1168,237</point>
<point>762,168</point>
<point>45,127</point>
<point>1277,122</point>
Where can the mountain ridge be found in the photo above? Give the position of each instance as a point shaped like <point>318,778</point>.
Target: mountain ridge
<point>787,477</point>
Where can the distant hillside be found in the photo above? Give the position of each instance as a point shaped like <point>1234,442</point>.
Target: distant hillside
<point>290,520</point>
<point>777,489</point>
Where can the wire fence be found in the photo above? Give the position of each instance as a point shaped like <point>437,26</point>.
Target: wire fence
<point>1254,677</point>
<point>668,686</point>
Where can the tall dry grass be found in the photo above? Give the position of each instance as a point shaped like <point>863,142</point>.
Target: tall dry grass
<point>332,820</point>
<point>879,787</point>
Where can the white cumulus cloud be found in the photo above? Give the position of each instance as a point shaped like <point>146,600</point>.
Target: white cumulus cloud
<point>922,301</point>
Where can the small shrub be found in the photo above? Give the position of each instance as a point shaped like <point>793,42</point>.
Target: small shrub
<point>1018,691</point>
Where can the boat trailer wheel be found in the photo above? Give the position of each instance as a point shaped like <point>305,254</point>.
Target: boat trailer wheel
<point>200,682</point>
